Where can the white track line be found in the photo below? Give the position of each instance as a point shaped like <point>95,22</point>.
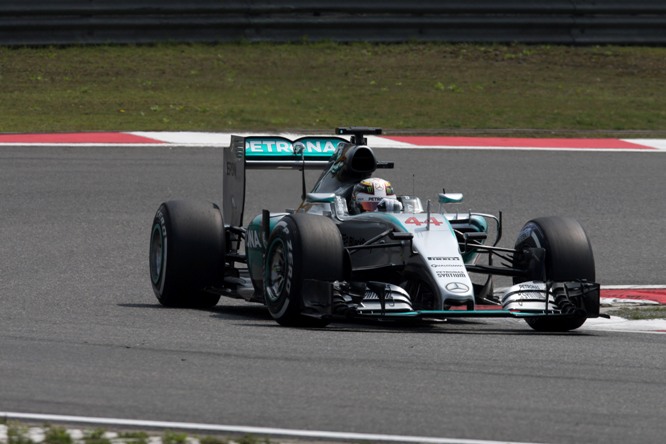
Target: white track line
<point>633,287</point>
<point>196,427</point>
<point>193,138</point>
<point>659,144</point>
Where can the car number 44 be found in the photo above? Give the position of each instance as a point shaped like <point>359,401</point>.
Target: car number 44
<point>414,221</point>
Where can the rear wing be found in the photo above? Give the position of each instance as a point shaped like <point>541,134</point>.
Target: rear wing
<point>268,152</point>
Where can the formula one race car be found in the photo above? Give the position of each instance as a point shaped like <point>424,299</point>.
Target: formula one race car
<point>389,258</point>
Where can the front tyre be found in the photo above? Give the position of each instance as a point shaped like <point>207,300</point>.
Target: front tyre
<point>300,247</point>
<point>568,258</point>
<point>186,257</point>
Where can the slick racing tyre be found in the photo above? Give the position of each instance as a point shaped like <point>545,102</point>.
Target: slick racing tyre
<point>300,247</point>
<point>187,246</point>
<point>568,258</point>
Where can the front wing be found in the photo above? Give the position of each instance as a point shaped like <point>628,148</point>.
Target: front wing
<point>575,299</point>
<point>445,314</point>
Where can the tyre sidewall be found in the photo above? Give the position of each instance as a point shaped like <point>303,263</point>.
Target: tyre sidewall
<point>191,257</point>
<point>569,257</point>
<point>283,302</point>
<point>568,251</point>
<point>159,238</point>
<point>308,247</point>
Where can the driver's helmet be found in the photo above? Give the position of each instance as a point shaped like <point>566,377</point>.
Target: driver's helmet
<point>374,194</point>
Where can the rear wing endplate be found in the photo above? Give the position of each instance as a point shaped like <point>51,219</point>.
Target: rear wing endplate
<point>268,152</point>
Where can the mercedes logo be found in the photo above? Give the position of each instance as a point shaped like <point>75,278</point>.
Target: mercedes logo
<point>457,287</point>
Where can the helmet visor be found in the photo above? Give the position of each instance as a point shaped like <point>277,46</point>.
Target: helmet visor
<point>368,205</point>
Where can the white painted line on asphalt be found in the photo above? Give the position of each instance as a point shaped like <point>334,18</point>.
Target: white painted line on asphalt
<point>521,148</point>
<point>189,138</point>
<point>616,324</point>
<point>105,145</point>
<point>659,144</point>
<point>633,287</point>
<point>194,138</point>
<point>626,302</point>
<point>185,139</point>
<point>197,427</point>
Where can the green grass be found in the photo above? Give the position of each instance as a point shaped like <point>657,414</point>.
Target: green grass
<point>446,87</point>
<point>170,437</point>
<point>212,440</point>
<point>135,437</point>
<point>18,433</point>
<point>96,436</point>
<point>637,313</point>
<point>57,435</point>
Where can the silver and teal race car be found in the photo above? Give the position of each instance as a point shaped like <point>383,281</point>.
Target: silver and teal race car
<point>322,262</point>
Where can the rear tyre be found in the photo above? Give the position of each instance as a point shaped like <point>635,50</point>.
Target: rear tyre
<point>300,247</point>
<point>568,258</point>
<point>187,246</point>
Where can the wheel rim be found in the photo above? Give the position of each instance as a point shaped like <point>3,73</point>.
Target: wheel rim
<point>156,254</point>
<point>277,263</point>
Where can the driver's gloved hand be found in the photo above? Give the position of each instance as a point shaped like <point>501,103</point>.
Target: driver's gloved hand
<point>390,206</point>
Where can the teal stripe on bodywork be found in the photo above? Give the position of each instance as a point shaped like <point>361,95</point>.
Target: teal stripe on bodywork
<point>464,314</point>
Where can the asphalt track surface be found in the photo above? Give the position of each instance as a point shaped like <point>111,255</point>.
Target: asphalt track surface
<point>81,332</point>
